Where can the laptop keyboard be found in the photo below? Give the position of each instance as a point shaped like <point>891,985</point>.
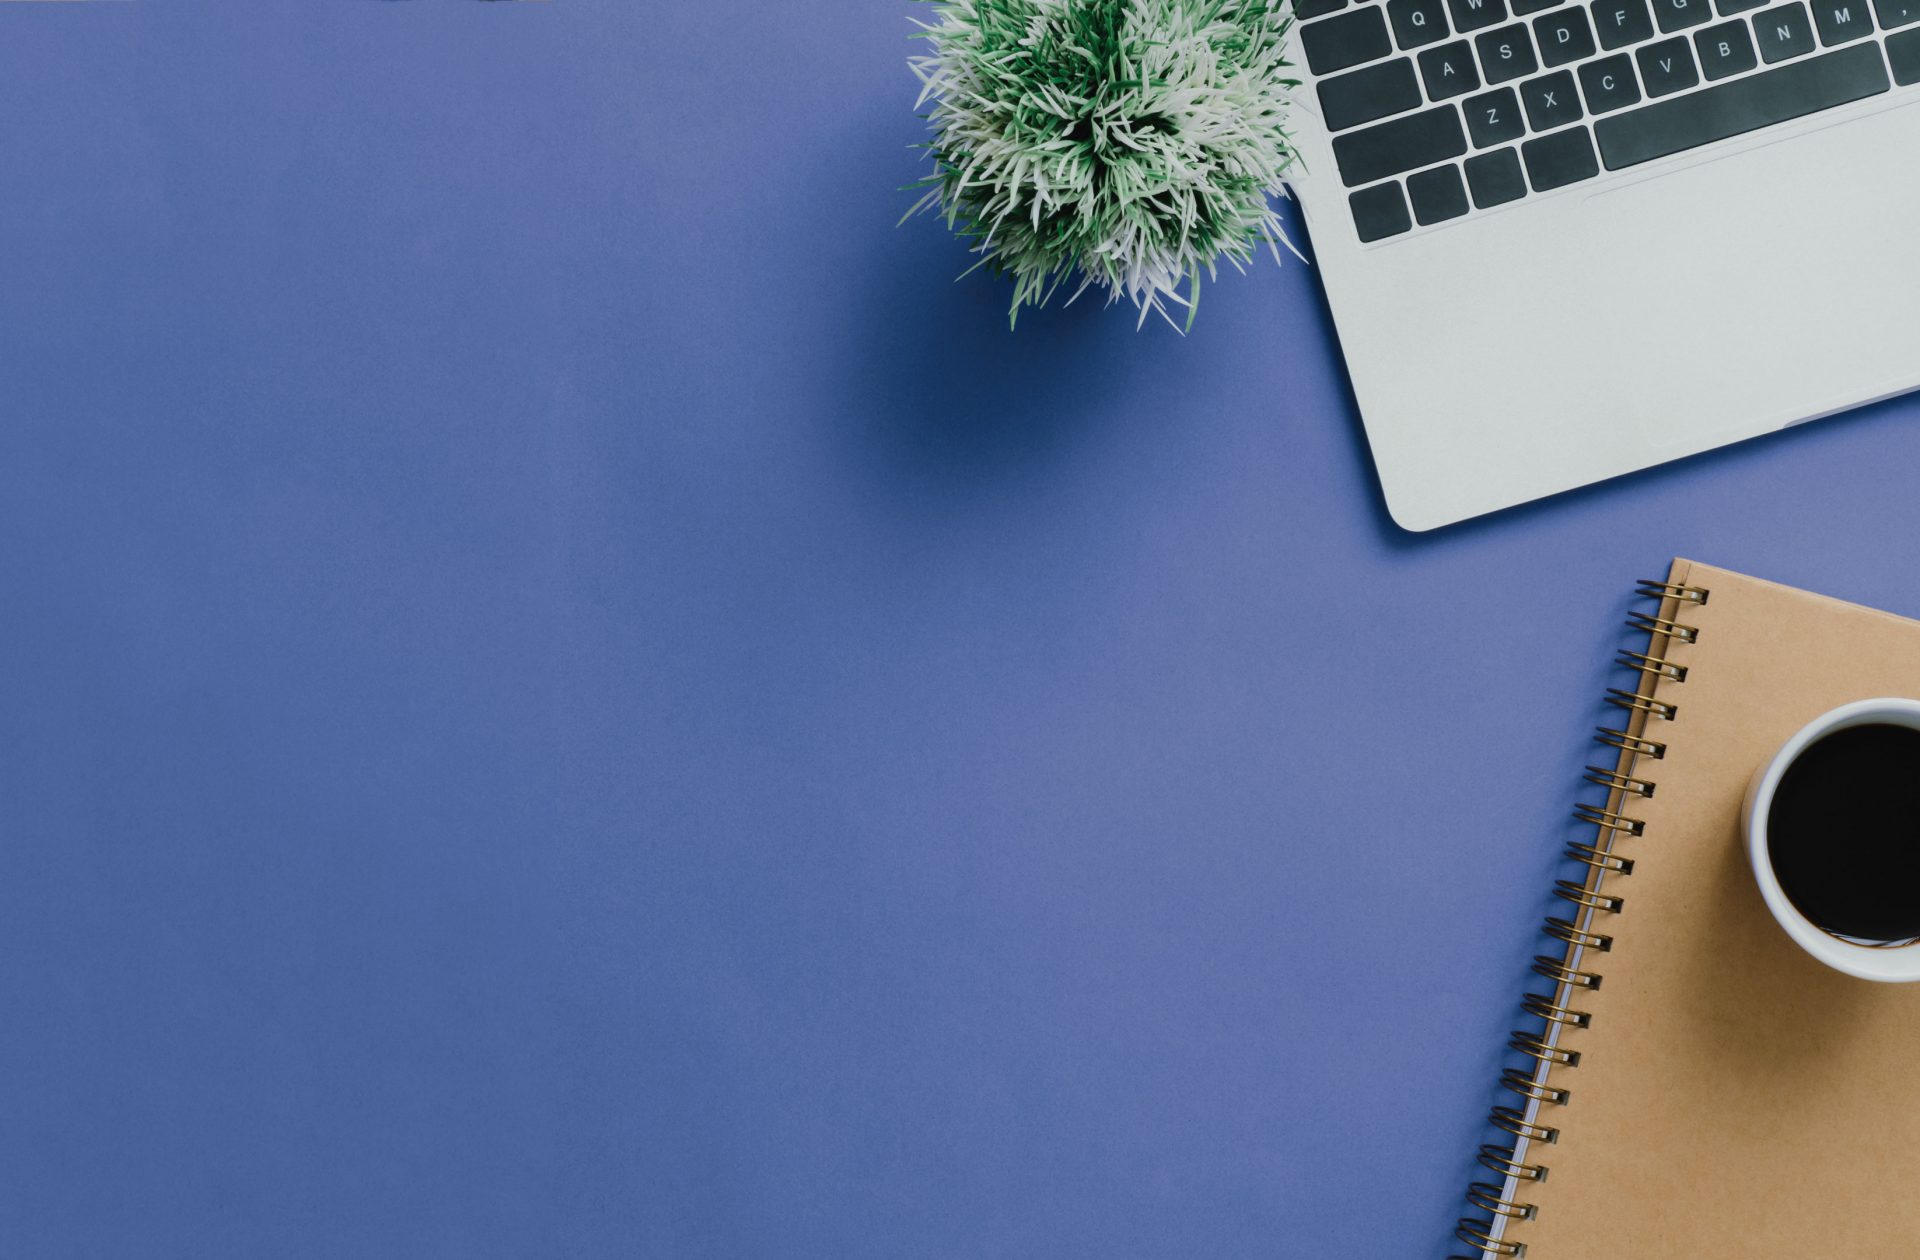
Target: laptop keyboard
<point>1442,107</point>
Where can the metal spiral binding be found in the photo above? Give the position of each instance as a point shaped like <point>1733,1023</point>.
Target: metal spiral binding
<point>1660,625</point>
<point>1580,895</point>
<point>1600,859</point>
<point>1514,1121</point>
<point>1543,1005</point>
<point>1557,970</point>
<point>1560,929</point>
<point>1658,666</point>
<point>1636,703</point>
<point>1523,1083</point>
<point>1611,780</point>
<point>1500,1159</point>
<point>1528,1044</point>
<point>1668,590</point>
<point>1634,744</point>
<point>1608,819</point>
<point>1498,1203</point>
<point>1486,1196</point>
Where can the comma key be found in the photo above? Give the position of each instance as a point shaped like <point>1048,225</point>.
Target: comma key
<point>1897,13</point>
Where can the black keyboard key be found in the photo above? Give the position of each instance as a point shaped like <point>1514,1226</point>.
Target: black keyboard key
<point>1897,13</point>
<point>1379,212</point>
<point>1437,195</point>
<point>1565,157</point>
<point>1336,43</point>
<point>1728,8</point>
<point>1842,21</point>
<point>1725,49</point>
<point>1563,37</point>
<point>1494,118</point>
<point>1405,144</point>
<point>1495,178</point>
<point>1783,31</point>
<point>1903,50</point>
<point>1417,23</point>
<point>1678,15</point>
<point>1551,101</point>
<point>1608,84</point>
<point>1449,71</point>
<point>1307,10</point>
<point>1524,8</point>
<point>1477,15</point>
<point>1623,22</point>
<point>1368,95</point>
<point>1505,54</point>
<point>1667,67</point>
<point>1742,105</point>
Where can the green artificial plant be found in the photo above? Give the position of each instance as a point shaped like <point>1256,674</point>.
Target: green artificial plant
<point>1134,142</point>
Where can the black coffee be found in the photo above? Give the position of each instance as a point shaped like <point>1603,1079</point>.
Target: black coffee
<point>1844,832</point>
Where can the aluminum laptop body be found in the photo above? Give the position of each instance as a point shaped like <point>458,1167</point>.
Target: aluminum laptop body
<point>1554,264</point>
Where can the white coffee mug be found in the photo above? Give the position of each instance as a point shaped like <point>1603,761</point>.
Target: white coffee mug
<point>1868,961</point>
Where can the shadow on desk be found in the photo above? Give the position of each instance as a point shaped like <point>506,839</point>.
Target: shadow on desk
<point>950,400</point>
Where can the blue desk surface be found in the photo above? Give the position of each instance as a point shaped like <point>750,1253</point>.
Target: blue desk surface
<point>570,693</point>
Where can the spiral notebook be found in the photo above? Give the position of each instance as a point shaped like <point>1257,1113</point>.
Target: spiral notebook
<point>1688,1083</point>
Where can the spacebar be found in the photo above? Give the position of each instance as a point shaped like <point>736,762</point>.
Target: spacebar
<point>1732,109</point>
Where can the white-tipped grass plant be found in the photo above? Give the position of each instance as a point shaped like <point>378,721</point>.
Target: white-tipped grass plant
<point>1134,144</point>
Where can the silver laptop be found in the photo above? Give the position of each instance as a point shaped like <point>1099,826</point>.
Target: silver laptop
<point>1566,241</point>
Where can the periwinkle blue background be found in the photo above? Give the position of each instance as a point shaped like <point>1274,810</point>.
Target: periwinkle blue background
<point>569,693</point>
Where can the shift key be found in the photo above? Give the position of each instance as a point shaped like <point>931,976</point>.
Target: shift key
<point>1405,144</point>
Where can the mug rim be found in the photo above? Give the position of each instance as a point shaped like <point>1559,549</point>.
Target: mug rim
<point>1868,962</point>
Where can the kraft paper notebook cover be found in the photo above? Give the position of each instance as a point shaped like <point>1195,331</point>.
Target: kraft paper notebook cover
<point>1719,1093</point>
